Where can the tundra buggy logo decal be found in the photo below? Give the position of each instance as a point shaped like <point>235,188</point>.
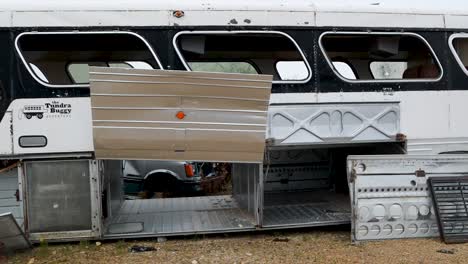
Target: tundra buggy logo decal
<point>58,108</point>
<point>54,108</point>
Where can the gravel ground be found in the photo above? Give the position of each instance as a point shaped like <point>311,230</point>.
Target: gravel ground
<point>299,246</point>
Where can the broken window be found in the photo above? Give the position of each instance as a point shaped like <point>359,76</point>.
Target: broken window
<point>79,72</point>
<point>381,56</point>
<point>344,69</point>
<point>382,70</point>
<point>292,70</point>
<point>459,45</point>
<point>271,53</point>
<point>232,67</point>
<point>63,59</point>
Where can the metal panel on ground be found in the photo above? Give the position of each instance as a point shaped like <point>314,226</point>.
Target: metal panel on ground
<point>172,115</point>
<point>11,235</point>
<point>390,196</point>
<point>450,197</point>
<point>333,123</point>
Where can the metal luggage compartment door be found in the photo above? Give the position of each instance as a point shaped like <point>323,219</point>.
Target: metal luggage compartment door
<point>390,196</point>
<point>178,115</point>
<point>63,199</point>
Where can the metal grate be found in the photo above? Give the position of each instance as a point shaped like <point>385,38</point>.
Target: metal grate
<point>450,197</point>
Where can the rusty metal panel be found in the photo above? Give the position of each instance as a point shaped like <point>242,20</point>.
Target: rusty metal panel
<point>175,115</point>
<point>333,123</point>
<point>390,196</point>
<point>11,235</point>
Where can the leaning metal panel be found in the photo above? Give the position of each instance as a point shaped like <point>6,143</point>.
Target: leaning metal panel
<point>11,235</point>
<point>390,196</point>
<point>450,197</point>
<point>178,115</point>
<point>333,123</point>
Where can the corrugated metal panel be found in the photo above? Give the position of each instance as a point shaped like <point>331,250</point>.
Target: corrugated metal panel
<point>390,197</point>
<point>245,181</point>
<point>333,123</point>
<point>135,115</point>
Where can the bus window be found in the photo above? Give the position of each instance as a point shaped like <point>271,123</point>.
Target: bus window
<point>459,46</point>
<point>292,70</point>
<point>344,69</point>
<point>260,52</point>
<point>63,59</point>
<point>232,67</point>
<point>79,72</point>
<point>388,69</point>
<point>382,56</point>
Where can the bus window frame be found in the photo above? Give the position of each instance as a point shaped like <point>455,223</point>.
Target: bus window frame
<point>421,80</point>
<point>454,51</point>
<point>25,63</point>
<point>234,32</point>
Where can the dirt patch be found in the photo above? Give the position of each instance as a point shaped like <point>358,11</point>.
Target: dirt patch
<point>304,246</point>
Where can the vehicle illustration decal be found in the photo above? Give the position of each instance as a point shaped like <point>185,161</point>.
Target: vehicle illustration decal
<point>53,108</point>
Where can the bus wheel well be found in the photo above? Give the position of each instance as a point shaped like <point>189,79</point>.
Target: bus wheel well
<point>160,182</point>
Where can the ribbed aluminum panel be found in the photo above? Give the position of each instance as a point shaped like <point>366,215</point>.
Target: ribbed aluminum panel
<point>245,183</point>
<point>390,197</point>
<point>172,115</point>
<point>333,123</point>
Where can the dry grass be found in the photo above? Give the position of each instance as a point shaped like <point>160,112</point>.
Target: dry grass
<point>303,246</point>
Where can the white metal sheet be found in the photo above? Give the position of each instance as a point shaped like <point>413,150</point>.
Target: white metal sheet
<point>333,123</point>
<point>397,13</point>
<point>178,115</point>
<point>390,197</point>
<point>65,123</point>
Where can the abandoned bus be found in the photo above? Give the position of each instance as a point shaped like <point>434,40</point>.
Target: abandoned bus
<point>286,91</point>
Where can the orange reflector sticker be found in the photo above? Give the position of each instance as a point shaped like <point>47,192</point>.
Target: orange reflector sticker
<point>180,115</point>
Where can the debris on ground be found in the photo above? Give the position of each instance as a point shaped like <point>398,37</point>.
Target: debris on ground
<point>447,251</point>
<point>161,239</point>
<point>281,239</point>
<point>138,249</point>
<point>304,246</point>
